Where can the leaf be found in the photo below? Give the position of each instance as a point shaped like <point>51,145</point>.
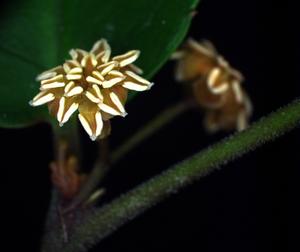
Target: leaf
<point>37,35</point>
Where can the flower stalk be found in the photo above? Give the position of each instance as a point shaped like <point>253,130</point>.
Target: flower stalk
<point>166,116</point>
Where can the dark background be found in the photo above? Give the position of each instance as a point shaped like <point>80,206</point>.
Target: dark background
<point>250,205</point>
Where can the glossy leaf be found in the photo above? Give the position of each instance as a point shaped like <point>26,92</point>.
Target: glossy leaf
<point>37,35</point>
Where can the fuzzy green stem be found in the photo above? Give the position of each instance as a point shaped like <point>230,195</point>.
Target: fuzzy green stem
<point>153,126</point>
<point>104,221</point>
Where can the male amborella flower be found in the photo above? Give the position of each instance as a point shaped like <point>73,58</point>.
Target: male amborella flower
<point>216,86</point>
<point>94,84</point>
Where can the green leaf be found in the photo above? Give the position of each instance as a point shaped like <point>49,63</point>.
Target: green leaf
<point>37,35</point>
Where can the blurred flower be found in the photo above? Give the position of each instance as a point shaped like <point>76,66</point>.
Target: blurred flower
<point>216,86</point>
<point>94,84</point>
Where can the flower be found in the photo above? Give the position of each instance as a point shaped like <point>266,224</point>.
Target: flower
<point>94,84</point>
<point>216,86</point>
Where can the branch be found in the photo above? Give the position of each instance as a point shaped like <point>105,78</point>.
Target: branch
<point>104,221</point>
<point>153,126</point>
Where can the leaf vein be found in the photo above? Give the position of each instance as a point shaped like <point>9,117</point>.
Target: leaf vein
<point>21,58</point>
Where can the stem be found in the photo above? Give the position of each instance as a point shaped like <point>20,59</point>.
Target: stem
<point>65,140</point>
<point>104,221</point>
<point>154,125</point>
<point>109,218</point>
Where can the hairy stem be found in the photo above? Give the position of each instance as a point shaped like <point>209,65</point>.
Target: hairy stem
<point>153,126</point>
<point>104,221</point>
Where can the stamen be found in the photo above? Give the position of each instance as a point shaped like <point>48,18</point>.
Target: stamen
<point>93,80</point>
<point>220,89</point>
<point>237,91</point>
<point>69,112</point>
<point>45,76</point>
<point>99,56</point>
<point>69,86</point>
<point>77,54</point>
<point>105,54</point>
<point>99,124</point>
<point>52,85</point>
<point>56,78</point>
<point>75,70</point>
<point>61,109</point>
<point>75,91</point>
<point>73,54</point>
<point>107,51</point>
<point>49,73</point>
<point>127,58</point>
<point>73,76</point>
<point>42,98</point>
<point>108,109</point>
<point>91,58</point>
<point>98,75</point>
<point>116,73</point>
<point>213,76</point>
<point>97,45</point>
<point>137,77</point>
<point>200,48</point>
<point>134,86</point>
<point>115,99</point>
<point>92,97</point>
<point>107,67</point>
<point>222,62</point>
<point>112,82</point>
<point>66,67</point>
<point>98,92</point>
<point>73,63</point>
<point>85,125</point>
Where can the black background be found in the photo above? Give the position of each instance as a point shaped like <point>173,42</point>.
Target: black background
<point>250,205</point>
